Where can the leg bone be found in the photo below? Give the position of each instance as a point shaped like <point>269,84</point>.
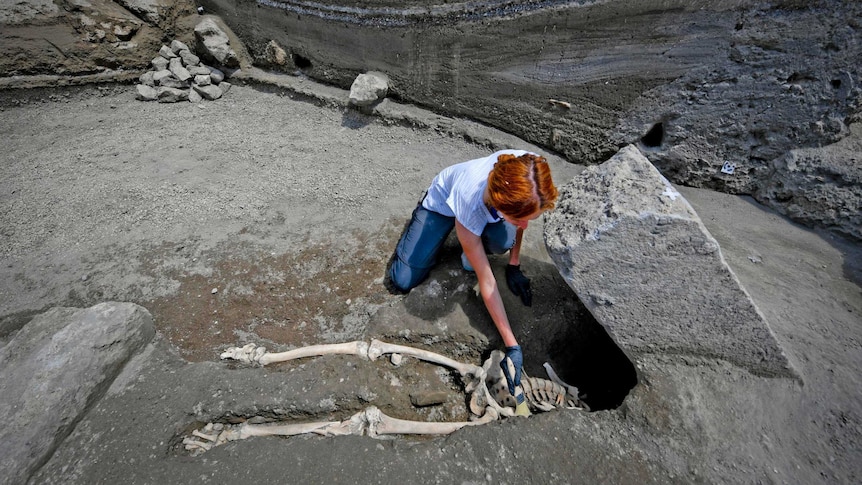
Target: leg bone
<point>250,353</point>
<point>381,424</point>
<point>472,374</point>
<point>353,425</point>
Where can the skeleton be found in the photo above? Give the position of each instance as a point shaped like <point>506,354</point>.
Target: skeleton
<point>487,387</point>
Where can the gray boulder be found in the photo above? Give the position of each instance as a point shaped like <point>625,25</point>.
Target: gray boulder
<point>369,88</point>
<point>209,92</point>
<point>147,78</point>
<point>173,82</point>
<point>146,92</point>
<point>147,9</point>
<point>199,70</point>
<point>214,43</point>
<point>161,74</point>
<point>643,263</point>
<point>177,47</point>
<point>189,59</point>
<point>194,96</point>
<point>172,95</point>
<point>159,63</point>
<point>180,72</point>
<point>54,369</point>
<point>216,75</point>
<point>166,52</point>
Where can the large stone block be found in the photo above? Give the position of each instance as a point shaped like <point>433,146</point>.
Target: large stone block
<point>640,259</point>
<point>54,369</point>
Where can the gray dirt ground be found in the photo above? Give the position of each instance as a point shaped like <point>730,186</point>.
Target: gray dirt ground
<point>290,208</point>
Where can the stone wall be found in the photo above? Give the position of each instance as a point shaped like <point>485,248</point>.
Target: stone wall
<point>715,92</point>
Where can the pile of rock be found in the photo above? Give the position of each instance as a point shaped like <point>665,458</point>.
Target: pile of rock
<point>177,74</point>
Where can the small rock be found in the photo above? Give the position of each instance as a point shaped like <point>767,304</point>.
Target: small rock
<point>146,93</point>
<point>202,80</point>
<point>198,70</point>
<point>177,47</point>
<point>225,87</point>
<point>189,59</point>
<point>214,291</point>
<point>172,95</point>
<point>176,67</point>
<point>173,82</point>
<point>147,78</point>
<point>216,75</point>
<point>210,92</point>
<point>159,63</point>
<point>161,74</point>
<point>194,96</point>
<point>166,52</point>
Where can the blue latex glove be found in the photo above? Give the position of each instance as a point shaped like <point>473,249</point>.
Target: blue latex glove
<point>519,284</point>
<point>513,354</point>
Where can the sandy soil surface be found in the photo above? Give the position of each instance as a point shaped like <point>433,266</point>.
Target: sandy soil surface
<point>264,218</point>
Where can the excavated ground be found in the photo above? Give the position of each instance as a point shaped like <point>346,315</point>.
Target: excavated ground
<point>290,210</point>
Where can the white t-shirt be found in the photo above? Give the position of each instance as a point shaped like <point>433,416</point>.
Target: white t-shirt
<point>457,191</point>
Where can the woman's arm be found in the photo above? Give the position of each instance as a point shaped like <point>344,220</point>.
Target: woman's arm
<point>472,246</point>
<point>515,252</point>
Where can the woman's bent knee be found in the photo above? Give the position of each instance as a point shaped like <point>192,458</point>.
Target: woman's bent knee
<point>403,277</point>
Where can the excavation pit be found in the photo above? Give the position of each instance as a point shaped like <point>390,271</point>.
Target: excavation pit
<point>240,293</point>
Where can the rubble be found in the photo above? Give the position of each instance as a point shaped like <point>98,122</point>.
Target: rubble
<point>177,74</point>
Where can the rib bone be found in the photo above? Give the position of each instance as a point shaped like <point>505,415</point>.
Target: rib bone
<point>572,391</point>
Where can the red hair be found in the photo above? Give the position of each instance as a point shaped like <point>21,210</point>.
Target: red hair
<point>520,186</point>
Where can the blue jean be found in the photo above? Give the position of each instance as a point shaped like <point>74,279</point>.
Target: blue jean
<point>416,252</point>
